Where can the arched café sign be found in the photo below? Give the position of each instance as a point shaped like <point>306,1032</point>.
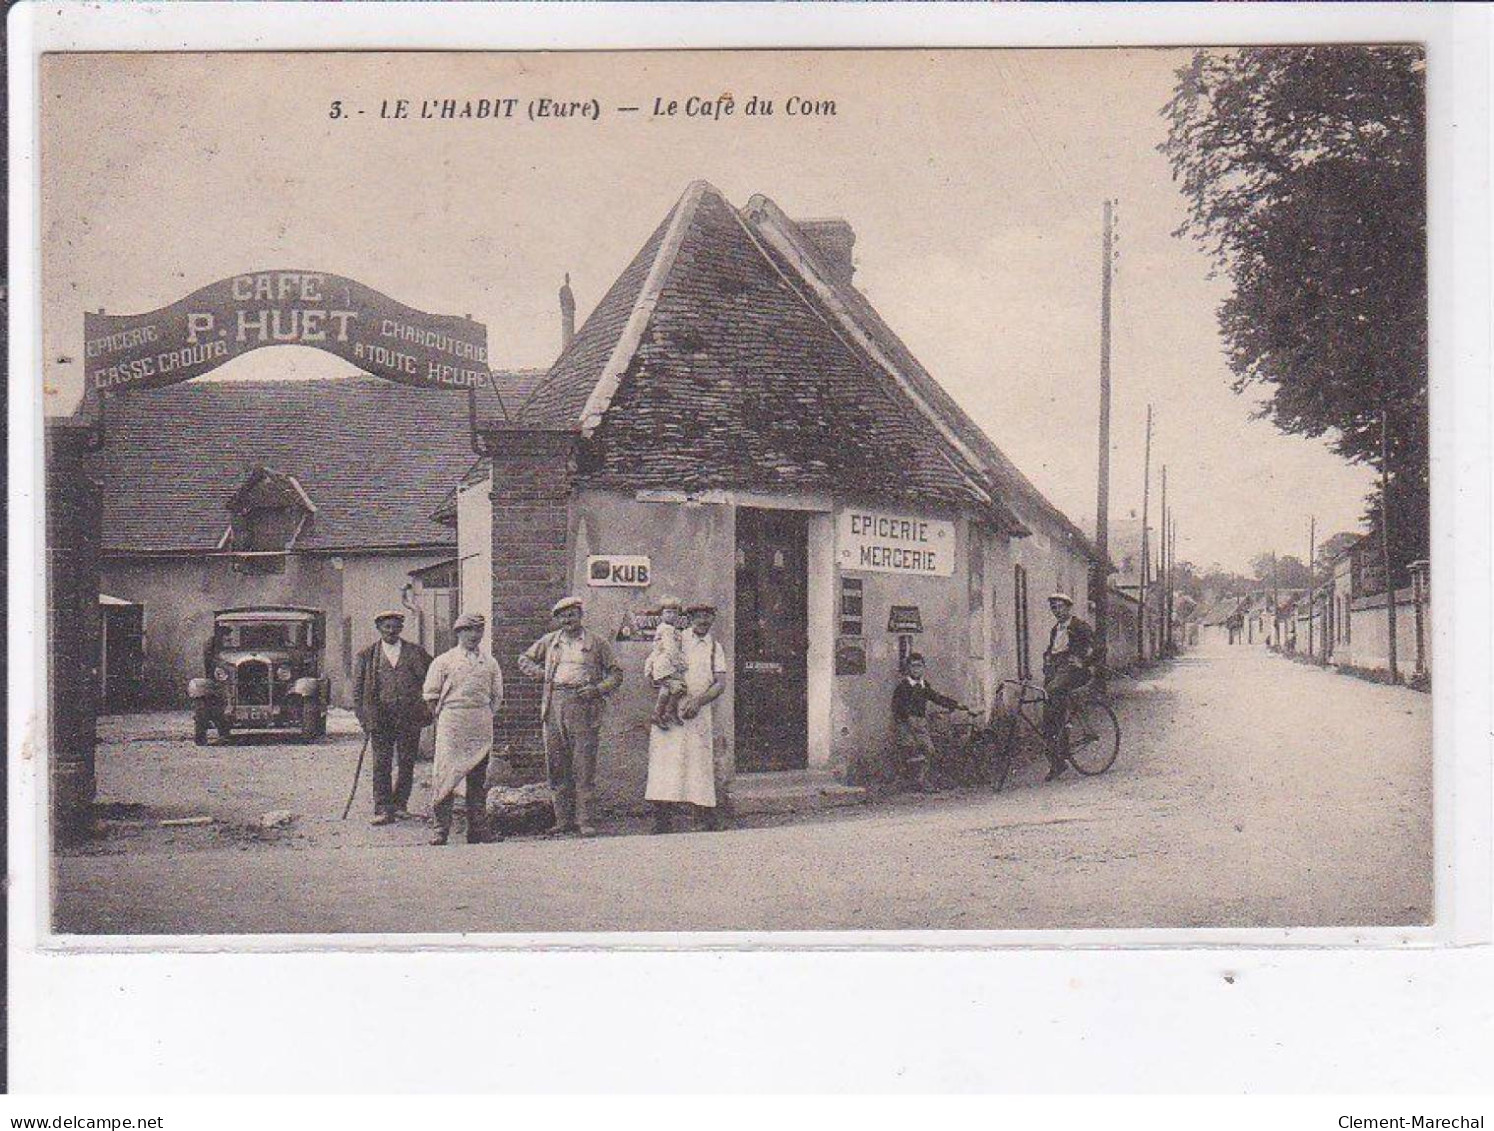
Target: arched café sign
<point>277,308</point>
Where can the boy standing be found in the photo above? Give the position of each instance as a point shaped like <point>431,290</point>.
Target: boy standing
<point>915,746</point>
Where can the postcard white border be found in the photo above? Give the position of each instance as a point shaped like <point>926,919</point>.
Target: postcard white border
<point>1458,71</point>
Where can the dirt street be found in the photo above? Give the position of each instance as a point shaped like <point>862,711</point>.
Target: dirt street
<point>1250,791</point>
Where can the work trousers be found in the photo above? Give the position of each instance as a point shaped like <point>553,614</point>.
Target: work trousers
<point>915,747</point>
<point>390,745</point>
<point>1060,686</point>
<point>477,796</point>
<point>572,728</point>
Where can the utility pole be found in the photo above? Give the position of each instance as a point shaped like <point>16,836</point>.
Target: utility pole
<point>1102,506</point>
<point>1172,585</point>
<point>1395,676</point>
<point>1164,548</point>
<point>1312,580</point>
<point>1146,561</point>
<point>1275,604</point>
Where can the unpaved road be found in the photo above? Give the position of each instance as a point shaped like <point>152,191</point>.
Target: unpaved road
<point>1251,791</point>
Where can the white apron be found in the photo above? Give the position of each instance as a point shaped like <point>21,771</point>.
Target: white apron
<point>682,759</point>
<point>469,692</point>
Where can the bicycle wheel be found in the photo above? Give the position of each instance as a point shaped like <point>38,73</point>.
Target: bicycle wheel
<point>1094,737</point>
<point>995,756</point>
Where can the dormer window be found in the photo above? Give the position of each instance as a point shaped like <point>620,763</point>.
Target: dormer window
<point>266,516</point>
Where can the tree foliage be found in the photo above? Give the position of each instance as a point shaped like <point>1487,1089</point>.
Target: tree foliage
<point>1285,571</point>
<point>1305,173</point>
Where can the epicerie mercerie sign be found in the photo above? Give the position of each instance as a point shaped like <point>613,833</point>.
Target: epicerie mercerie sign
<point>217,323</point>
<point>891,543</point>
<point>618,570</point>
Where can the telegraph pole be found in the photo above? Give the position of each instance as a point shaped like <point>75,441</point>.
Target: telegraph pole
<point>1275,604</point>
<point>1395,676</point>
<point>1102,507</point>
<point>1146,561</point>
<point>1312,582</point>
<point>1172,582</point>
<point>1164,543</point>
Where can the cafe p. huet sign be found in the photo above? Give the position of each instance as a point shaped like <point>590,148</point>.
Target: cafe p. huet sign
<point>281,308</point>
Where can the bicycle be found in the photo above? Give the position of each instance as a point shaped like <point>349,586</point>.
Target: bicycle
<point>1092,732</point>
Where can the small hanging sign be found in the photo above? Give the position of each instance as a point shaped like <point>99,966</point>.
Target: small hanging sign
<point>904,618</point>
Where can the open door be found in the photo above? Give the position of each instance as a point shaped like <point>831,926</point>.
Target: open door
<point>772,640</point>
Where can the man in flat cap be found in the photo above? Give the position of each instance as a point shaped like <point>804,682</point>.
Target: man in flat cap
<point>464,689</point>
<point>579,671</point>
<point>1066,667</point>
<point>387,684</point>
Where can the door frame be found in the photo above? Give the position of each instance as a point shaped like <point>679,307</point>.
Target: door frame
<point>820,596</point>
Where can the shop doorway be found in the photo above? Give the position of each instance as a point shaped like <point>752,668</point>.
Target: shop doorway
<point>772,640</point>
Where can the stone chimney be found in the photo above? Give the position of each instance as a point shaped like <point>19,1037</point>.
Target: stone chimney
<point>835,240</point>
<point>567,314</point>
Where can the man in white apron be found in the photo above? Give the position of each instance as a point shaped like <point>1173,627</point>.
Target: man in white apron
<point>682,759</point>
<point>465,689</point>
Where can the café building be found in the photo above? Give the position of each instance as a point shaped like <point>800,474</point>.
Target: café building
<point>735,423</point>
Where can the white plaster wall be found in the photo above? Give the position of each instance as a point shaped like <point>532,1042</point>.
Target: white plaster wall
<point>475,546</point>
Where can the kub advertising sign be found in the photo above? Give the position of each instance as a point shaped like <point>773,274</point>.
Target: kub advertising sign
<point>618,570</point>
<point>889,543</point>
<point>213,325</point>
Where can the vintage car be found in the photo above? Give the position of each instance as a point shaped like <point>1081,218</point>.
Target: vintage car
<point>264,670</point>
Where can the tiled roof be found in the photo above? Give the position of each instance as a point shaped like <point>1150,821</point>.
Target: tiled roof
<point>1006,478</point>
<point>728,354</point>
<point>733,378</point>
<point>375,458</point>
<point>558,398</point>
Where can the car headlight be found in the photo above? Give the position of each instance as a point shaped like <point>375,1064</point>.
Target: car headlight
<point>220,674</point>
<point>283,672</point>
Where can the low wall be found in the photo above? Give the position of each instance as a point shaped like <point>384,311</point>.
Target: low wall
<point>1367,646</point>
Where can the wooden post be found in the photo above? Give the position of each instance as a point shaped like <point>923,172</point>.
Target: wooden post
<point>1163,570</point>
<point>1385,545</point>
<point>1102,505</point>
<point>1312,597</point>
<point>1146,561</point>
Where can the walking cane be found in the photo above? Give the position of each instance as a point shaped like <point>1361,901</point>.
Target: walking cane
<point>346,809</point>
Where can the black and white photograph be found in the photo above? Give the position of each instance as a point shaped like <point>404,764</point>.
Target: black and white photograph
<point>749,548</point>
<point>938,491</point>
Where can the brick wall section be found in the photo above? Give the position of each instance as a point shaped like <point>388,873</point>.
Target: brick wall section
<point>532,477</point>
<point>74,530</point>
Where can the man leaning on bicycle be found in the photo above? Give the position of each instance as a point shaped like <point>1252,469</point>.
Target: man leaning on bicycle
<point>1066,668</point>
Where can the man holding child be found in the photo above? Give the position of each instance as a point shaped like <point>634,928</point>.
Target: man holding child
<point>682,755</point>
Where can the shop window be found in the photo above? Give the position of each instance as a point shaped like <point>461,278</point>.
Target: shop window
<point>1019,596</point>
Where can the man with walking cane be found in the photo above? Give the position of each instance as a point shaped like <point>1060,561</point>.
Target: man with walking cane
<point>387,685</point>
<point>464,689</point>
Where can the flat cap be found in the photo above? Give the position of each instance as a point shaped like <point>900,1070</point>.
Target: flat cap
<point>565,603</point>
<point>470,620</point>
<point>1064,597</point>
<point>397,614</point>
<point>700,607</point>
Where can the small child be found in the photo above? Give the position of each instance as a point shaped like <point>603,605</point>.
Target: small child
<point>666,664</point>
<point>910,699</point>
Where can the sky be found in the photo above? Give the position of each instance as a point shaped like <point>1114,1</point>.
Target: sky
<point>974,181</point>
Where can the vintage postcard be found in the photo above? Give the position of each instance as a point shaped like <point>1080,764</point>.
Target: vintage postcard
<point>539,493</point>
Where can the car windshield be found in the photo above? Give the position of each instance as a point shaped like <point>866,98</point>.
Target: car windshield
<point>268,634</point>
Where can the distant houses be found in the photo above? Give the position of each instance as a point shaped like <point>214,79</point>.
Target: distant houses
<point>1344,620</point>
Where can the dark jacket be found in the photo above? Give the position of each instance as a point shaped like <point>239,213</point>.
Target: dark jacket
<point>1081,648</point>
<point>910,701</point>
<point>390,699</point>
